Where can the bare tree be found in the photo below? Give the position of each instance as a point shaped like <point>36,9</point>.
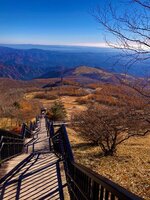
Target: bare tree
<point>128,29</point>
<point>109,128</point>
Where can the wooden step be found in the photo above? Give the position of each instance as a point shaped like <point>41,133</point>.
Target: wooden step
<point>10,164</point>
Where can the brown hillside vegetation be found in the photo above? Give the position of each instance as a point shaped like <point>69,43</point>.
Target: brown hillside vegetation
<point>129,167</point>
<point>114,95</point>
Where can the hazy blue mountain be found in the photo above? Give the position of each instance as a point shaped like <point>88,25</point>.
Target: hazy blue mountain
<point>59,48</point>
<point>31,61</point>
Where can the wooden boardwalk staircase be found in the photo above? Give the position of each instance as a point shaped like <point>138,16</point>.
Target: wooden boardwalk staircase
<point>49,171</point>
<point>38,175</point>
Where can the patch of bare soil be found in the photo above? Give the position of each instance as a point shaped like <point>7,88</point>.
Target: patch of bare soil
<point>71,105</point>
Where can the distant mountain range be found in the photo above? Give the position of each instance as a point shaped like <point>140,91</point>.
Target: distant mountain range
<point>26,64</point>
<point>23,64</point>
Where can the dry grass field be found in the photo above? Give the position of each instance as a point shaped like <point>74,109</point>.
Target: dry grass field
<point>70,103</point>
<point>130,167</point>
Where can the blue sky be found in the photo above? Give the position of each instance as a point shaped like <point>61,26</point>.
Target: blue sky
<point>60,22</point>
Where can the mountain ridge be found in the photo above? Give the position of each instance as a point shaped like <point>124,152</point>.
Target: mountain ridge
<point>26,64</point>
<point>84,74</point>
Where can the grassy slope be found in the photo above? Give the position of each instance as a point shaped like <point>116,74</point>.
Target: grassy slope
<point>129,167</point>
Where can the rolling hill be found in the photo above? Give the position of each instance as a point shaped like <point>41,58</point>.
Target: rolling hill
<point>85,75</point>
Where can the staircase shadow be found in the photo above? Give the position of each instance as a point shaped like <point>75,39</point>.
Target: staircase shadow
<point>38,179</point>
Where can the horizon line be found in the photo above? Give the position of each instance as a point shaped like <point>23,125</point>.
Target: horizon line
<point>96,45</point>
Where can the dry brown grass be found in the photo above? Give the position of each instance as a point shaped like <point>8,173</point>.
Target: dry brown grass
<point>130,167</point>
<point>7,123</point>
<point>69,102</point>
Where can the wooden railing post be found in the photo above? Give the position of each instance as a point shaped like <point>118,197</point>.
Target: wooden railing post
<point>51,129</point>
<point>23,130</point>
<point>67,146</point>
<point>33,148</point>
<point>50,147</point>
<point>31,126</point>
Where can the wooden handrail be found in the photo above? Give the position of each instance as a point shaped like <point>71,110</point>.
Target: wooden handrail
<point>10,146</point>
<point>82,182</point>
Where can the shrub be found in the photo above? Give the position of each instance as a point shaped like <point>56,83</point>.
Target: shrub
<point>57,111</point>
